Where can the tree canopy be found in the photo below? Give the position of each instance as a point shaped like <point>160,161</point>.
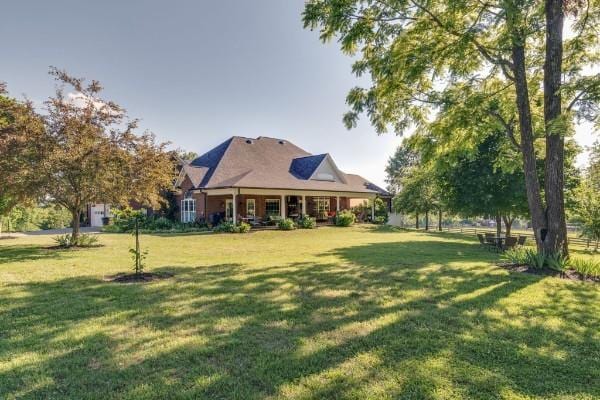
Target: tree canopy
<point>476,61</point>
<point>82,150</point>
<point>21,147</point>
<point>93,154</point>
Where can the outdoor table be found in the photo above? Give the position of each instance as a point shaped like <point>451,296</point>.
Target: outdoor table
<point>499,240</point>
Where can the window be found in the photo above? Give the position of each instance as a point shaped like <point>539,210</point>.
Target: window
<point>272,207</point>
<point>188,209</point>
<point>229,209</point>
<point>321,207</point>
<point>250,208</point>
<point>323,176</point>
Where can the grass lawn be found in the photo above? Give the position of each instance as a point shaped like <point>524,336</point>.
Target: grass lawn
<point>345,313</point>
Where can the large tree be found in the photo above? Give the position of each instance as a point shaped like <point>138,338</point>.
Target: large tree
<point>93,154</point>
<point>398,166</point>
<point>21,153</point>
<point>419,51</point>
<point>472,182</point>
<point>419,193</point>
<point>586,206</point>
<point>593,169</point>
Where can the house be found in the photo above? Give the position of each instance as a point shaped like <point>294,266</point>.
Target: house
<point>254,179</point>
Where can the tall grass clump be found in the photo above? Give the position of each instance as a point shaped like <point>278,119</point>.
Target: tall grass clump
<point>588,268</point>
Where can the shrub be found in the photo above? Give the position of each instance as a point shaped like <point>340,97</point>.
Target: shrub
<point>344,218</point>
<point>286,224</point>
<point>225,227</point>
<point>124,219</point>
<point>160,223</point>
<point>586,267</point>
<point>363,211</point>
<point>112,228</point>
<point>516,256</point>
<point>84,240</point>
<point>229,227</point>
<point>87,240</point>
<point>534,259</point>
<point>54,218</point>
<point>243,227</point>
<point>65,240</point>
<point>307,222</point>
<point>381,219</point>
<point>557,262</point>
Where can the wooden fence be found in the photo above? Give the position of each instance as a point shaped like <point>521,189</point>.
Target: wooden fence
<point>530,238</point>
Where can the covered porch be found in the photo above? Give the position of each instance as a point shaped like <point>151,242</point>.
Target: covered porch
<point>261,206</point>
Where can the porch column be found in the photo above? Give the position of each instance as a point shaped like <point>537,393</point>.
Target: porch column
<point>373,210</point>
<point>282,206</point>
<point>303,205</point>
<point>337,203</point>
<point>234,216</point>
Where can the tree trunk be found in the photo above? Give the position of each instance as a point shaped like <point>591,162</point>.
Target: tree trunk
<point>440,220</point>
<point>76,214</point>
<point>1,226</point>
<point>508,221</point>
<point>532,184</point>
<point>417,223</point>
<point>427,220</point>
<point>556,237</point>
<point>498,225</point>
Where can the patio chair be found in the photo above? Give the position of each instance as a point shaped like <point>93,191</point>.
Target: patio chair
<point>481,238</point>
<point>509,243</point>
<point>521,241</point>
<point>490,240</point>
<point>255,221</point>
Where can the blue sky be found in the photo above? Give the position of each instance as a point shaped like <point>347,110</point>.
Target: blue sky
<point>198,72</point>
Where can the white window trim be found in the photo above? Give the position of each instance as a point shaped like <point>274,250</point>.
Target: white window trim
<point>188,214</point>
<point>278,205</point>
<point>326,202</point>
<point>253,202</point>
<point>227,202</point>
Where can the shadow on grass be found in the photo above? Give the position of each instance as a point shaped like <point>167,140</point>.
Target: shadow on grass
<point>21,253</point>
<point>420,319</point>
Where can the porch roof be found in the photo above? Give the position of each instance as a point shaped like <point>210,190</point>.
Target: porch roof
<point>285,192</point>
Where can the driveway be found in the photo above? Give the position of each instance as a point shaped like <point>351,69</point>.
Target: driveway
<point>86,229</point>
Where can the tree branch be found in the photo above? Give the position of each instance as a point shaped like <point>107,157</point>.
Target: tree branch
<point>506,65</point>
<point>508,126</point>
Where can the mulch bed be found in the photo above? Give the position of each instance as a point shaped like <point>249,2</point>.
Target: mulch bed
<point>72,248</point>
<point>570,274</point>
<point>138,278</point>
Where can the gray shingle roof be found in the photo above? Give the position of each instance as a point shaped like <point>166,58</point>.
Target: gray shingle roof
<point>267,163</point>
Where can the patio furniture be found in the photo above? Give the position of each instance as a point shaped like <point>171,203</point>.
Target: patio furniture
<point>509,243</point>
<point>254,221</point>
<point>521,241</point>
<point>481,238</point>
<point>495,242</point>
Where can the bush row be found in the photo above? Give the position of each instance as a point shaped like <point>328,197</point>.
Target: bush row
<point>588,268</point>
<point>230,227</point>
<point>124,221</point>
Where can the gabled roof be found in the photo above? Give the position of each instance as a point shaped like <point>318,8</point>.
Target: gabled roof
<point>196,174</point>
<point>304,167</point>
<point>269,163</point>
